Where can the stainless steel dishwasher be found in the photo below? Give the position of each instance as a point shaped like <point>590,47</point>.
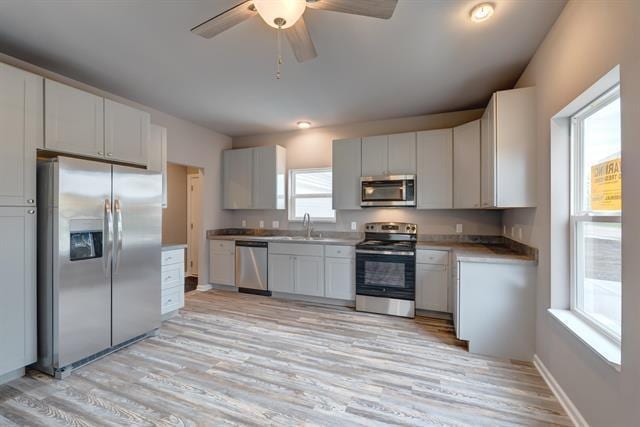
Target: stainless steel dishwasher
<point>251,267</point>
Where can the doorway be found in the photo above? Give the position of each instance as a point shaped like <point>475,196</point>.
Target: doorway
<point>194,219</point>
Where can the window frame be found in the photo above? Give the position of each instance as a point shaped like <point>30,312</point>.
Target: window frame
<point>578,214</point>
<point>293,196</point>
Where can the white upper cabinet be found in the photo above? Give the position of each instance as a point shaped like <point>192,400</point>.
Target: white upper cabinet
<point>402,154</point>
<point>74,120</point>
<point>126,133</point>
<point>347,158</point>
<point>269,169</point>
<point>435,169</point>
<point>466,166</point>
<point>157,157</point>
<point>374,155</point>
<point>21,122</point>
<point>254,178</point>
<point>509,150</point>
<point>237,178</point>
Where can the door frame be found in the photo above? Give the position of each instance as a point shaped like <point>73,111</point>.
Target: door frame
<point>190,176</point>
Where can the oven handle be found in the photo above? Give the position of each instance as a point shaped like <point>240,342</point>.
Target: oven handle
<point>399,253</point>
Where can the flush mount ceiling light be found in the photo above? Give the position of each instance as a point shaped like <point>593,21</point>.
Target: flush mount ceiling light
<point>303,124</point>
<point>481,12</point>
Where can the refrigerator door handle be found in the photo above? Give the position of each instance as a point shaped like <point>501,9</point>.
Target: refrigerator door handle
<point>107,241</point>
<point>119,233</point>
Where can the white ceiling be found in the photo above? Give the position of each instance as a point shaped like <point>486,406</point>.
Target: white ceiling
<point>429,57</point>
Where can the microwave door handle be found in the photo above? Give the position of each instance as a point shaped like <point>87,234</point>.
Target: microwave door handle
<point>403,190</point>
<point>107,240</point>
<point>119,234</point>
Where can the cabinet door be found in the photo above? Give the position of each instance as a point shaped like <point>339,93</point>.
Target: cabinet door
<point>339,274</point>
<point>309,275</point>
<point>281,273</point>
<point>402,154</point>
<point>374,155</point>
<point>347,167</point>
<point>21,121</point>
<point>157,157</point>
<point>126,133</point>
<point>74,120</point>
<point>237,178</point>
<point>432,287</point>
<point>466,166</point>
<point>18,288</point>
<point>488,155</point>
<point>435,169</point>
<point>222,268</point>
<point>268,178</point>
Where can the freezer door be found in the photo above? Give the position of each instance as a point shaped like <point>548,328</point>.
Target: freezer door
<point>81,267</point>
<point>136,282</point>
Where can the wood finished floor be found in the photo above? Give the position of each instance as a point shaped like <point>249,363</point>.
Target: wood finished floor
<point>236,359</point>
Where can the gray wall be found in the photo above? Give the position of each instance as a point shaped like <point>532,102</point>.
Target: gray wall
<point>174,216</point>
<point>312,148</point>
<point>587,40</point>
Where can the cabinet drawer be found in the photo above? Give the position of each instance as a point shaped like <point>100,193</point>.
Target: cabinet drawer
<point>173,257</point>
<point>222,246</point>
<point>172,299</point>
<point>339,251</point>
<point>295,249</point>
<point>172,275</point>
<point>432,257</point>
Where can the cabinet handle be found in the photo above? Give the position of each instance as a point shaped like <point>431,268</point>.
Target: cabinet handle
<point>109,154</point>
<point>31,211</point>
<point>31,201</point>
<point>100,153</point>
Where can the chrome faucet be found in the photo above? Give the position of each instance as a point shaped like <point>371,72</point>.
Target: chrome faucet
<point>306,222</point>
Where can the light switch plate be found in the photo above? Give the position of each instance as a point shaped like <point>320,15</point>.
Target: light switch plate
<point>354,226</point>
<point>244,223</point>
<point>458,228</point>
<point>261,224</point>
<point>275,224</point>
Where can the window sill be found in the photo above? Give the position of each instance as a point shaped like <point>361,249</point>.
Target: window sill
<point>600,344</point>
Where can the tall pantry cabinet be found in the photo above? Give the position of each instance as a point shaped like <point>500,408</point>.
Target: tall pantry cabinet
<point>21,133</point>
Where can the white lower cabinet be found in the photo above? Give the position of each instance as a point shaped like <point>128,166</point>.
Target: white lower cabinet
<point>309,275</point>
<point>281,273</point>
<point>172,295</point>
<point>432,280</point>
<point>339,278</point>
<point>18,288</point>
<point>222,262</point>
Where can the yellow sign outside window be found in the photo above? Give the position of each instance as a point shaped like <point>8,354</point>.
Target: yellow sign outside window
<point>606,186</point>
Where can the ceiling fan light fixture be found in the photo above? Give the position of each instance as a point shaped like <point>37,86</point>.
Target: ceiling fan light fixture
<point>280,13</point>
<point>481,12</point>
<point>304,124</point>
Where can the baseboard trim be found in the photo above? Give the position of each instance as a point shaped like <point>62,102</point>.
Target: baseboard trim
<point>575,415</point>
<point>10,376</point>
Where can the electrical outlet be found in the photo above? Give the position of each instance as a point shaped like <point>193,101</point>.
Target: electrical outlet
<point>458,228</point>
<point>275,224</point>
<point>519,233</point>
<point>244,223</point>
<point>504,230</point>
<point>261,224</point>
<point>513,231</point>
<point>354,226</point>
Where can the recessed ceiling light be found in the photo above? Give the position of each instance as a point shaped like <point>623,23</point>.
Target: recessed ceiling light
<point>481,12</point>
<point>304,124</point>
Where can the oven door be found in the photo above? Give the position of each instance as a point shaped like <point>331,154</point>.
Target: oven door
<point>386,274</point>
<point>388,191</point>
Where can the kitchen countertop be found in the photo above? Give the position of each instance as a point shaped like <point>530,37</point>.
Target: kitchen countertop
<point>288,239</point>
<point>480,252</point>
<point>173,246</point>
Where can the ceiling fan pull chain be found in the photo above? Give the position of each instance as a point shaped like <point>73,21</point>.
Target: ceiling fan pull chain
<point>279,60</point>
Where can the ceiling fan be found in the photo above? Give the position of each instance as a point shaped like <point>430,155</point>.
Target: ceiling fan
<point>286,15</point>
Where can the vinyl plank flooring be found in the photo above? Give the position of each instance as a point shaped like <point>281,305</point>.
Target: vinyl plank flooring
<point>240,359</point>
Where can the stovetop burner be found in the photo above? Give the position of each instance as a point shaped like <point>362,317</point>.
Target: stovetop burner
<point>389,236</point>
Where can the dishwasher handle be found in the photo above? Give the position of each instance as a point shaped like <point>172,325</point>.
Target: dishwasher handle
<point>251,243</point>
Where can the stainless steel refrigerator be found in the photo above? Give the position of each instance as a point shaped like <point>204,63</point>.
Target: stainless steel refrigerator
<point>99,245</point>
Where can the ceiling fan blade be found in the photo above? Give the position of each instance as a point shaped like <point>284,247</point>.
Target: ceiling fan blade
<point>300,41</point>
<point>375,8</point>
<point>225,20</point>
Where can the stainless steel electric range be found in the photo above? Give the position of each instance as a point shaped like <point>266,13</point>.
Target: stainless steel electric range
<point>386,269</point>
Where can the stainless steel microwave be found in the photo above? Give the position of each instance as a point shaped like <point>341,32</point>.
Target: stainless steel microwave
<point>393,190</point>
